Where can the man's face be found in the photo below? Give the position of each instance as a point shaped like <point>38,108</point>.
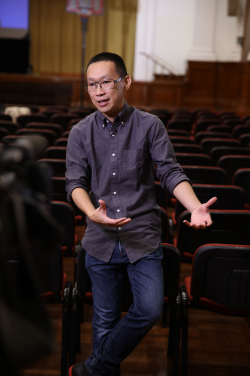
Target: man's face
<point>109,102</point>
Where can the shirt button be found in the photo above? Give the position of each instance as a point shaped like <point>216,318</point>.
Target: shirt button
<point>122,122</point>
<point>119,228</point>
<point>113,173</point>
<point>113,154</point>
<point>114,193</point>
<point>118,210</point>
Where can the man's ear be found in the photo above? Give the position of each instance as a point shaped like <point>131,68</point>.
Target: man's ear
<point>127,82</point>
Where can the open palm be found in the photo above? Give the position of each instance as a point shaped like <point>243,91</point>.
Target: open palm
<point>200,217</point>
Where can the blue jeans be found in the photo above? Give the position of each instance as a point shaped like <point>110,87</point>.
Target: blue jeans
<point>115,338</point>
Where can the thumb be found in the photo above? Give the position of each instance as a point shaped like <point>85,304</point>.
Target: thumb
<point>210,202</point>
<point>102,204</point>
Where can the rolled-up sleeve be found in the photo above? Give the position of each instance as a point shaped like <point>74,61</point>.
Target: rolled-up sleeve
<point>77,167</point>
<point>162,152</point>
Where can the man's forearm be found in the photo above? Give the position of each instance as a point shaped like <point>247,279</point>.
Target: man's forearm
<point>185,194</point>
<point>82,201</point>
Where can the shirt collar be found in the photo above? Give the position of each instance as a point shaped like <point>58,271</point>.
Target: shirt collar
<point>121,117</point>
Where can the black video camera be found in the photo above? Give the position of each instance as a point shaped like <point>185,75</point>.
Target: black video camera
<point>25,226</point>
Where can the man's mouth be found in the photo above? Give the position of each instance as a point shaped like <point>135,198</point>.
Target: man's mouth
<point>103,102</point>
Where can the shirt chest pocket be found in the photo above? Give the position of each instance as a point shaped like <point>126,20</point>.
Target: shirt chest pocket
<point>133,162</point>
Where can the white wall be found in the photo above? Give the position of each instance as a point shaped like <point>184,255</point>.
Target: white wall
<point>144,40</point>
<point>166,30</point>
<point>226,33</point>
<point>174,23</point>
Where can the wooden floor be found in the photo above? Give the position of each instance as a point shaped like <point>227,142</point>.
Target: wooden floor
<point>218,345</point>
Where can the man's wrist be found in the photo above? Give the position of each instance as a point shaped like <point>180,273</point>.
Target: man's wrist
<point>195,208</point>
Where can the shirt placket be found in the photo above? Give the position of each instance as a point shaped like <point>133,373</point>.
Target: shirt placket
<point>114,175</point>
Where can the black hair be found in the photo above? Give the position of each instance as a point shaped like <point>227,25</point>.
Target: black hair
<point>109,56</point>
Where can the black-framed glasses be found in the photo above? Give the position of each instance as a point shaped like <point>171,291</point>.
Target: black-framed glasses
<point>107,84</point>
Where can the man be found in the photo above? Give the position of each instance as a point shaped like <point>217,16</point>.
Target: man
<point>115,150</point>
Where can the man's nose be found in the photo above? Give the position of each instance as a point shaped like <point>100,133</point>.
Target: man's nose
<point>99,89</point>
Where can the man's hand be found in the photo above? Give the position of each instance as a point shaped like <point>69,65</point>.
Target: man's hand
<point>99,215</point>
<point>200,217</point>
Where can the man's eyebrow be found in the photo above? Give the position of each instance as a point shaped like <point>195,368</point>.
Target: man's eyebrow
<point>100,78</point>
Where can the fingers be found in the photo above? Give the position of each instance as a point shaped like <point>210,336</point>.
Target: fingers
<point>102,218</point>
<point>118,222</point>
<point>202,226</point>
<point>210,202</point>
<point>122,223</point>
<point>191,225</point>
<point>209,221</point>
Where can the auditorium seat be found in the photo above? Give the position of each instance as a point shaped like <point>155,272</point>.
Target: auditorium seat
<point>209,143</point>
<point>202,124</point>
<point>178,132</point>
<point>162,113</point>
<point>58,189</point>
<point>238,130</point>
<point>58,166</point>
<point>54,289</point>
<point>7,140</point>
<point>199,136</point>
<point>193,159</point>
<point>63,119</point>
<point>33,107</point>
<point>201,111</point>
<point>179,124</point>
<point>187,148</point>
<point>180,117</point>
<point>241,178</point>
<point>57,107</point>
<point>219,151</point>
<point>166,227</point>
<point>65,134</point>
<point>244,139</point>
<point>73,122</point>
<point>229,227</point>
<point>59,194</point>
<point>205,174</point>
<point>246,119</point>
<point>9,125</point>
<point>232,122</point>
<point>82,112</point>
<point>3,133</point>
<point>219,283</point>
<point>55,152</point>
<point>161,195</point>
<point>231,163</point>
<point>181,111</point>
<point>46,133</point>
<point>181,140</point>
<point>219,128</point>
<point>25,119</point>
<point>207,116</point>
<point>227,115</point>
<point>5,117</point>
<point>65,215</point>
<point>51,126</point>
<point>61,141</point>
<point>49,112</point>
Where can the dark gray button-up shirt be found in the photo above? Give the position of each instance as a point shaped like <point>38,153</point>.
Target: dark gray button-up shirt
<point>118,161</point>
